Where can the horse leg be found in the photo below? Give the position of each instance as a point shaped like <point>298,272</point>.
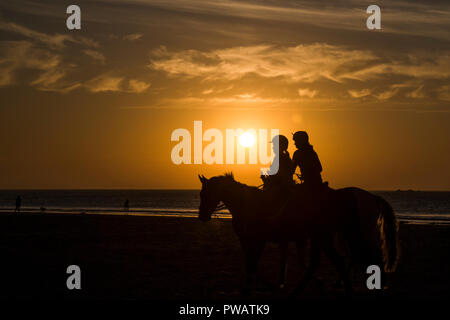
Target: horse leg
<point>253,252</point>
<point>301,252</point>
<point>313,264</point>
<point>348,272</point>
<point>338,262</point>
<point>283,245</point>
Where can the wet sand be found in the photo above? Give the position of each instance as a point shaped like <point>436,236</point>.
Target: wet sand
<point>172,258</point>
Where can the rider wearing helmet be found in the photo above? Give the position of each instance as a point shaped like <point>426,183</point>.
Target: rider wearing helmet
<point>306,158</point>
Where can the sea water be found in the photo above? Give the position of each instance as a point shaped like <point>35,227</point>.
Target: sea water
<point>410,206</point>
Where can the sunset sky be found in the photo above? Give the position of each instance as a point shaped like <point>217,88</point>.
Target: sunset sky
<point>95,108</point>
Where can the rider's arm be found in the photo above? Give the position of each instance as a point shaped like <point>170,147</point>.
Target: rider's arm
<point>295,161</point>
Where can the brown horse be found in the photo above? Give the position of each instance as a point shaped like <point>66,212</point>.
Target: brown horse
<point>366,222</point>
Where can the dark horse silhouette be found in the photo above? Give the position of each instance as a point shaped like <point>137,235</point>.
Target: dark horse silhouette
<point>364,221</point>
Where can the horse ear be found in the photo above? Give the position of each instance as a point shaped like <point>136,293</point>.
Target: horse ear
<point>202,178</point>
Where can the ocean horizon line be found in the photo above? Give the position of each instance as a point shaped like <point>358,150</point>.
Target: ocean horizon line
<point>187,189</point>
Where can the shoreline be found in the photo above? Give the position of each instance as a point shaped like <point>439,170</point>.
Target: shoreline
<point>424,219</point>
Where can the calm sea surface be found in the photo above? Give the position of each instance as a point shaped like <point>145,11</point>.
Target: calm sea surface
<point>410,206</point>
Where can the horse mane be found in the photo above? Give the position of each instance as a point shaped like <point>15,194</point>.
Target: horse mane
<point>228,178</point>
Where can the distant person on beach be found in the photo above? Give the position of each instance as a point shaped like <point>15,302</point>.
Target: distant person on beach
<point>18,204</point>
<point>281,169</point>
<point>126,205</point>
<point>307,160</point>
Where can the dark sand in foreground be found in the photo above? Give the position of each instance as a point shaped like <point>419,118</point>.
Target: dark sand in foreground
<point>182,258</point>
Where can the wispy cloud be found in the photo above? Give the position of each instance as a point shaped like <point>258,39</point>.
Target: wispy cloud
<point>104,83</point>
<point>387,94</point>
<point>137,86</point>
<point>444,92</point>
<point>113,83</point>
<point>416,94</point>
<point>30,54</point>
<point>56,63</point>
<point>300,63</point>
<point>359,93</point>
<point>56,41</point>
<point>19,55</point>
<point>307,93</point>
<point>309,63</point>
<point>399,17</point>
<point>96,55</point>
<point>132,36</point>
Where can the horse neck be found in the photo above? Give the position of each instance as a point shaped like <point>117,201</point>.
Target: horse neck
<point>232,197</point>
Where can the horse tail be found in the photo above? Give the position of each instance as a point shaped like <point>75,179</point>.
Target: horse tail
<point>388,232</point>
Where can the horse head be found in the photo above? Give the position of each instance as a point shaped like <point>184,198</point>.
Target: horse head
<point>211,194</point>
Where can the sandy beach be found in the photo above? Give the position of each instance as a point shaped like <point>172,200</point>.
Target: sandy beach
<point>173,258</point>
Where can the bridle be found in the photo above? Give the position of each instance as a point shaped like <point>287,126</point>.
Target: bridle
<point>218,207</point>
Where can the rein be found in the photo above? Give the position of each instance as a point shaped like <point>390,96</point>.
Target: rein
<point>219,207</point>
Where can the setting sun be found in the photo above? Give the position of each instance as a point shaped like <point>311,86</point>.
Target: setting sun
<point>247,139</point>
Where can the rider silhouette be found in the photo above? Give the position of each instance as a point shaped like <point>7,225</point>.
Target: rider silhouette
<point>281,169</point>
<point>306,158</point>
